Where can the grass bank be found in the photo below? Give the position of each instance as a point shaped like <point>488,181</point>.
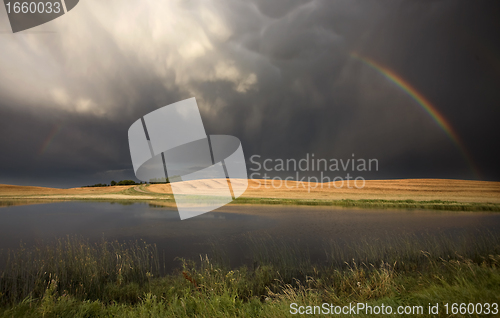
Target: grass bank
<point>162,200</point>
<point>74,278</point>
<point>393,204</point>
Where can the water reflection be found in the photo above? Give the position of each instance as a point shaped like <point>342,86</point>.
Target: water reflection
<point>230,228</point>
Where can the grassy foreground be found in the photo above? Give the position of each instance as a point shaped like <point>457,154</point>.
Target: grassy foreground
<point>74,278</point>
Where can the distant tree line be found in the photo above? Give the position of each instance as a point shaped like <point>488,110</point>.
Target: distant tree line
<point>96,185</point>
<point>124,182</point>
<point>127,182</point>
<point>113,183</point>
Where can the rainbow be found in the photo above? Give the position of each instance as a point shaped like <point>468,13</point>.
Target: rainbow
<point>423,102</point>
<point>49,139</point>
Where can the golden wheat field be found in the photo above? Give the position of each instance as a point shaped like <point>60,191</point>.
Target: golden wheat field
<point>403,189</point>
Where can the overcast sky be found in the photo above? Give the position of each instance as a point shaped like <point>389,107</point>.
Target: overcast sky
<point>279,75</point>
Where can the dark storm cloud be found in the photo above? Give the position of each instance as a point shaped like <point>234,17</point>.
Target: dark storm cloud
<point>276,74</point>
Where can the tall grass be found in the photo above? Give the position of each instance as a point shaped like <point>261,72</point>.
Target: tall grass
<point>77,279</point>
<point>75,266</point>
<point>409,252</point>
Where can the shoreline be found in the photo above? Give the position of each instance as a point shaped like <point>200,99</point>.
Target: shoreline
<point>243,201</point>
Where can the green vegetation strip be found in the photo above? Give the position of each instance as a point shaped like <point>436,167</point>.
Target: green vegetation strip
<point>398,204</point>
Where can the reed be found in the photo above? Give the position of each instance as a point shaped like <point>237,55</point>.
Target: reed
<point>76,267</point>
<point>75,278</point>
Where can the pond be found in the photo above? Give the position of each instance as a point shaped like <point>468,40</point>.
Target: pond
<point>230,228</point>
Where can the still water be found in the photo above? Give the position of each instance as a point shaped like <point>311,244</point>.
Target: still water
<point>229,227</point>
